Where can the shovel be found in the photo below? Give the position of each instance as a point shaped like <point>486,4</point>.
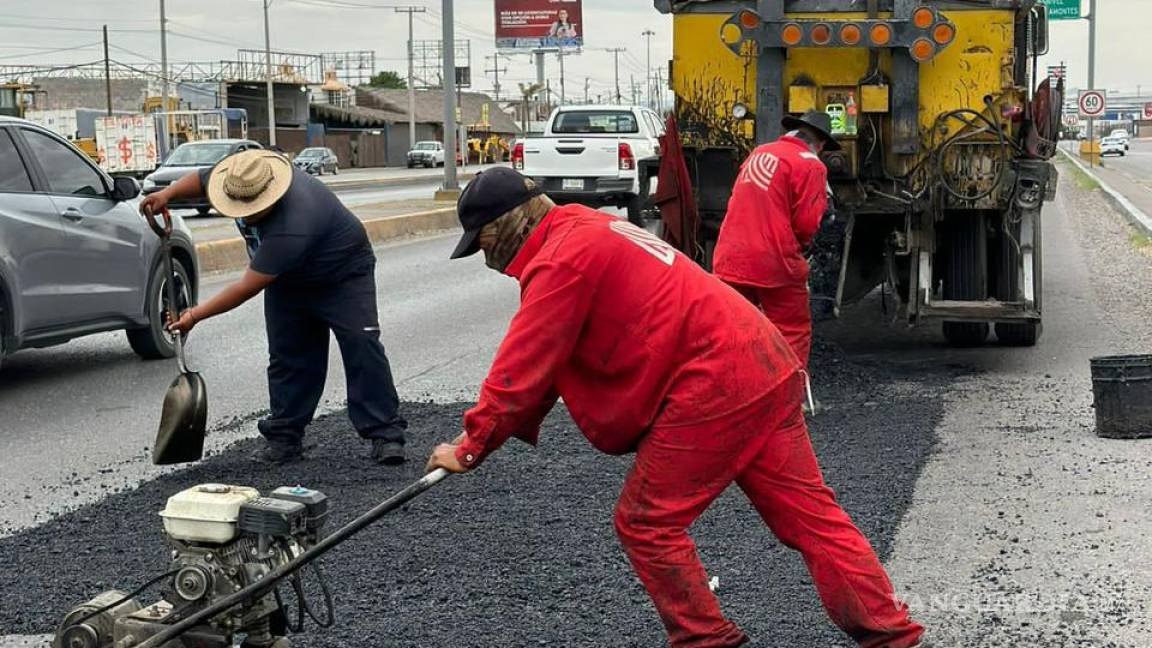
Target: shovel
<point>180,438</point>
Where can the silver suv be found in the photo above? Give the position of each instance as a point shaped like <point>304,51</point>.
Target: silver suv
<point>76,258</point>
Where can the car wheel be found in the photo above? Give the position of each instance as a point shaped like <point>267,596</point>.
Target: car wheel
<point>335,169</point>
<point>153,342</point>
<point>203,211</point>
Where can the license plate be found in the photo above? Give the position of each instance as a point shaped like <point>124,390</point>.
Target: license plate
<point>572,184</point>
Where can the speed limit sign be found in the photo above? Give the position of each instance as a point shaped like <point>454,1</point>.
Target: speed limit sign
<point>1092,103</point>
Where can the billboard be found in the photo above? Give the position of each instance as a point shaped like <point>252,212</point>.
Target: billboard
<point>539,24</point>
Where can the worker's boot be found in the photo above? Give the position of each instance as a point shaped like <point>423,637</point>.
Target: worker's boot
<point>278,453</point>
<point>388,453</point>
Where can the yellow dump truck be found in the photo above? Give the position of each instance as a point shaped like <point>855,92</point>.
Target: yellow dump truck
<point>946,133</point>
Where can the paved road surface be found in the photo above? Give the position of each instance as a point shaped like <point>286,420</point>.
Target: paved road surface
<point>92,406</point>
<point>1023,528</point>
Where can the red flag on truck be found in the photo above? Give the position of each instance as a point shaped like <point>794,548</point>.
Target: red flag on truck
<point>674,194</point>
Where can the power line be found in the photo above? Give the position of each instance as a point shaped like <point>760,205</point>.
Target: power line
<point>59,19</point>
<point>51,51</point>
<point>74,29</point>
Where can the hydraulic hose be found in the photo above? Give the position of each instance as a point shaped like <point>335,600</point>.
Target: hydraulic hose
<point>261,587</point>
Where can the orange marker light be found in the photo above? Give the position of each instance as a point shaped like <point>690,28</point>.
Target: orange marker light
<point>923,49</point>
<point>881,34</point>
<point>923,18</point>
<point>749,19</point>
<point>821,34</point>
<point>791,34</point>
<point>944,33</point>
<point>850,34</point>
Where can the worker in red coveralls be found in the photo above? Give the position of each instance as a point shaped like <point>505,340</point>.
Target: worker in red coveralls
<point>655,356</point>
<point>777,203</point>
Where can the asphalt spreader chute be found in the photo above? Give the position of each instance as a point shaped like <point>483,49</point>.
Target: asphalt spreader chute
<point>231,548</point>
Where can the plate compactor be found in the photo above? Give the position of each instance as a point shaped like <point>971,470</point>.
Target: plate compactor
<point>231,548</point>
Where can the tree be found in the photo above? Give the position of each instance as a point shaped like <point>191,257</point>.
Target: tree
<point>387,79</point>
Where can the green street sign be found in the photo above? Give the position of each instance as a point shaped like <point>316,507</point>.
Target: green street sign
<point>1063,9</point>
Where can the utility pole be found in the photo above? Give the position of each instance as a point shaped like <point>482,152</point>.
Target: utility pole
<point>451,186</point>
<point>411,74</point>
<point>616,63</point>
<point>164,76</point>
<point>270,87</point>
<point>659,92</point>
<point>539,78</point>
<point>495,71</point>
<point>648,34</point>
<point>560,55</point>
<point>107,72</point>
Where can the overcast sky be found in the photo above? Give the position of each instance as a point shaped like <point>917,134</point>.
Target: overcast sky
<point>302,26</point>
<point>29,31</point>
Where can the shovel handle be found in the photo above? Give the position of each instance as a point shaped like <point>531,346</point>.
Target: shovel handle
<point>162,229</point>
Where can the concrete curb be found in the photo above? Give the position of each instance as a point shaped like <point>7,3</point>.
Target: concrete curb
<point>231,254</point>
<point>390,182</point>
<point>1134,214</point>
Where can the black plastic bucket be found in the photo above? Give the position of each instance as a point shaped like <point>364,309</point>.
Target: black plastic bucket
<point>1122,387</point>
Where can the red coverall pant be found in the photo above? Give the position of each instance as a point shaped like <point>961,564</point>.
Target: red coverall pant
<point>765,449</point>
<point>787,307</point>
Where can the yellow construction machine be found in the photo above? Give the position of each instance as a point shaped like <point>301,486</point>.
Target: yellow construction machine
<point>946,130</point>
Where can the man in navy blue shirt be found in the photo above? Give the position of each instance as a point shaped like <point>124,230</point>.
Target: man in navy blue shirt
<point>312,259</point>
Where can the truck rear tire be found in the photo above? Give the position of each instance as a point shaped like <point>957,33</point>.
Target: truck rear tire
<point>966,334</point>
<point>967,266</point>
<point>635,207</point>
<point>1023,334</point>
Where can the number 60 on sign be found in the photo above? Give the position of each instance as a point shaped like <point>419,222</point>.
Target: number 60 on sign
<point>1092,103</point>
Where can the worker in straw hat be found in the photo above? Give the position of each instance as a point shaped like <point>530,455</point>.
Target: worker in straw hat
<point>314,263</point>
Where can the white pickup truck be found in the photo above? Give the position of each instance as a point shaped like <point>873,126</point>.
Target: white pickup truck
<point>592,155</point>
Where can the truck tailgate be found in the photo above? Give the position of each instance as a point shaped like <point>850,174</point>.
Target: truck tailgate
<point>576,156</point>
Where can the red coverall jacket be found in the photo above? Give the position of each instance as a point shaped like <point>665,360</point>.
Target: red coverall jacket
<point>631,333</point>
<point>776,206</point>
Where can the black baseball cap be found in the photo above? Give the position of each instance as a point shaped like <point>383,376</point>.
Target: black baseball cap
<point>490,195</point>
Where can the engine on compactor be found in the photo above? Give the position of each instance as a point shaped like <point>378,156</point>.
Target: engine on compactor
<point>223,539</point>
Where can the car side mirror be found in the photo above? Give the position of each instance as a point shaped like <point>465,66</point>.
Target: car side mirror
<point>124,188</point>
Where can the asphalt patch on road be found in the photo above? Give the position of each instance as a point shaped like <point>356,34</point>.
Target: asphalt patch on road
<point>520,553</point>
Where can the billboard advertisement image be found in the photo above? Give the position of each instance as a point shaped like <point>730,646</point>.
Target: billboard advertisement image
<point>539,24</point>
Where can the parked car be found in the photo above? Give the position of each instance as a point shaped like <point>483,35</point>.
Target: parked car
<point>316,160</point>
<point>1123,136</point>
<point>592,155</point>
<point>1112,146</point>
<point>427,154</point>
<point>76,258</point>
<point>193,156</point>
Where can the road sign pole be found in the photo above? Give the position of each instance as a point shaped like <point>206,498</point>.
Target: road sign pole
<point>1091,76</point>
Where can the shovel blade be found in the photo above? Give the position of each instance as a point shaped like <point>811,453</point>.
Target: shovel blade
<point>180,438</point>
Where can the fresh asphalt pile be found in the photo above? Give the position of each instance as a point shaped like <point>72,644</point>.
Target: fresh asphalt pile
<point>521,552</point>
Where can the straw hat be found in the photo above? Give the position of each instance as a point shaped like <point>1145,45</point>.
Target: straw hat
<point>249,182</point>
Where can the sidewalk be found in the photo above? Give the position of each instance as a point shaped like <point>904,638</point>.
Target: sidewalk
<point>390,176</point>
<point>1129,193</point>
<point>220,248</point>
